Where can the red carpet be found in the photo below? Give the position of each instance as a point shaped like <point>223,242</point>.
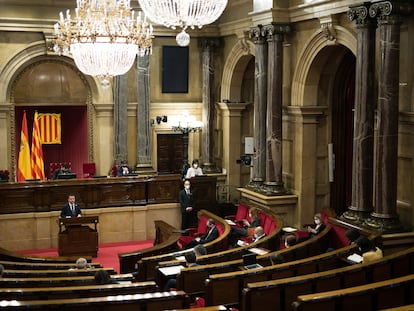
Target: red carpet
<point>107,253</point>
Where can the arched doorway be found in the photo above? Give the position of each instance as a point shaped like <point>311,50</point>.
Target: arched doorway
<point>52,86</point>
<point>343,96</point>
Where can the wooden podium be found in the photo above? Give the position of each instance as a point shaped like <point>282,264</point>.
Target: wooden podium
<point>77,237</point>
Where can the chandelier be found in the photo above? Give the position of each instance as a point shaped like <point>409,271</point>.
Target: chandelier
<point>186,124</point>
<point>183,14</point>
<point>104,37</point>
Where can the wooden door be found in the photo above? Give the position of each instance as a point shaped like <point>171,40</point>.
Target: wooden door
<point>170,151</point>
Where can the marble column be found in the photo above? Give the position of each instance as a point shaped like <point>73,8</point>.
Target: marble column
<point>120,119</point>
<point>274,179</point>
<point>385,216</point>
<point>208,45</point>
<point>144,160</point>
<point>363,147</point>
<point>232,114</point>
<point>260,101</point>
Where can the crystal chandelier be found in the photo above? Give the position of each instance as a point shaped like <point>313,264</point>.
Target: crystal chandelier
<point>104,38</point>
<point>186,124</point>
<point>183,14</point>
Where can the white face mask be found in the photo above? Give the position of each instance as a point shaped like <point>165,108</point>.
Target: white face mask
<point>187,187</point>
<point>317,221</point>
<point>195,165</point>
<point>256,236</point>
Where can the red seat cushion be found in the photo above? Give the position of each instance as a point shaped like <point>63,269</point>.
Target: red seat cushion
<point>242,212</point>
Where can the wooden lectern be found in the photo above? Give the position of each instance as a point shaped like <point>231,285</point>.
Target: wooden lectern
<point>77,238</point>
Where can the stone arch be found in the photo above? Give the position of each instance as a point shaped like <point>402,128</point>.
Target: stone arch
<point>305,78</point>
<point>30,55</point>
<point>234,68</point>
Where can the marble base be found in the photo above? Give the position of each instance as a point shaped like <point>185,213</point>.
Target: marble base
<point>273,188</point>
<point>385,225</point>
<point>355,217</point>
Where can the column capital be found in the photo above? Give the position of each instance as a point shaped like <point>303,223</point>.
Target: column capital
<point>360,14</point>
<point>256,34</point>
<point>209,43</point>
<point>390,11</point>
<point>232,109</point>
<point>276,31</point>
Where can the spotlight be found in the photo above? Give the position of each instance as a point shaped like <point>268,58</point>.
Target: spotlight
<point>164,119</point>
<point>158,118</point>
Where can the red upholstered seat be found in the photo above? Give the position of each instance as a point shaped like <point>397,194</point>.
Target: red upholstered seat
<point>114,170</point>
<point>194,232</point>
<point>199,303</point>
<point>89,170</point>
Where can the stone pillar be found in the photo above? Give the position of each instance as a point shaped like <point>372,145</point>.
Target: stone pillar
<point>120,119</point>
<point>144,160</point>
<point>208,45</point>
<point>232,130</point>
<point>260,100</point>
<point>274,179</point>
<point>363,148</point>
<point>385,216</point>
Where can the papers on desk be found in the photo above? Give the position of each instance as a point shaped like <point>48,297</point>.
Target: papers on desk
<point>289,229</point>
<point>258,250</point>
<point>181,258</point>
<point>230,222</point>
<point>354,258</point>
<point>170,271</point>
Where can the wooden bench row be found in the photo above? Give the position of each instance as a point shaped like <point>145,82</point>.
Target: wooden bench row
<point>59,281</point>
<point>16,265</point>
<point>9,273</point>
<point>226,288</point>
<point>192,280</point>
<point>373,296</point>
<point>137,302</point>
<point>166,237</point>
<point>282,292</point>
<point>147,265</point>
<point>52,292</point>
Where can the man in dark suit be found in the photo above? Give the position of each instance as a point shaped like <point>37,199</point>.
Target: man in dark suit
<point>64,169</point>
<point>71,209</point>
<point>211,234</point>
<point>186,198</point>
<point>124,169</point>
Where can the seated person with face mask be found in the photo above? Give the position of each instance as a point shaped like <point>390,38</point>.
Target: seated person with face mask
<point>194,170</point>
<point>211,234</point>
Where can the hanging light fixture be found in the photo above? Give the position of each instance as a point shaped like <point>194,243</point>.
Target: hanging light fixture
<point>104,38</point>
<point>183,14</point>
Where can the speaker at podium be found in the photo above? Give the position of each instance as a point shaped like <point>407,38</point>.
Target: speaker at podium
<point>78,236</point>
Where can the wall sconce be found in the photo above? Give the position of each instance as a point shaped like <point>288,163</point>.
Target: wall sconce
<point>161,118</point>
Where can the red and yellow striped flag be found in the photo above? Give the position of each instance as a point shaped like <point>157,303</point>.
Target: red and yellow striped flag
<point>49,125</point>
<point>38,170</point>
<point>24,170</point>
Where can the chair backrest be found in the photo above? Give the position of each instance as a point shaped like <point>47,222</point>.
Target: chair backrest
<point>89,169</point>
<point>6,174</point>
<point>114,170</point>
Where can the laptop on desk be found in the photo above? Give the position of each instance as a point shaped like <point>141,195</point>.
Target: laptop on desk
<point>249,262</point>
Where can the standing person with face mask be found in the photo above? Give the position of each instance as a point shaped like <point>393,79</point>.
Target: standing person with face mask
<point>186,198</point>
<point>319,225</point>
<point>194,170</point>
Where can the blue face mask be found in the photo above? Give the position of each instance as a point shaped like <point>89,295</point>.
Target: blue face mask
<point>256,236</point>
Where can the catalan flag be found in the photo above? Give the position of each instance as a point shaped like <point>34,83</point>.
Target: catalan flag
<point>24,170</point>
<point>49,125</point>
<point>38,170</point>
